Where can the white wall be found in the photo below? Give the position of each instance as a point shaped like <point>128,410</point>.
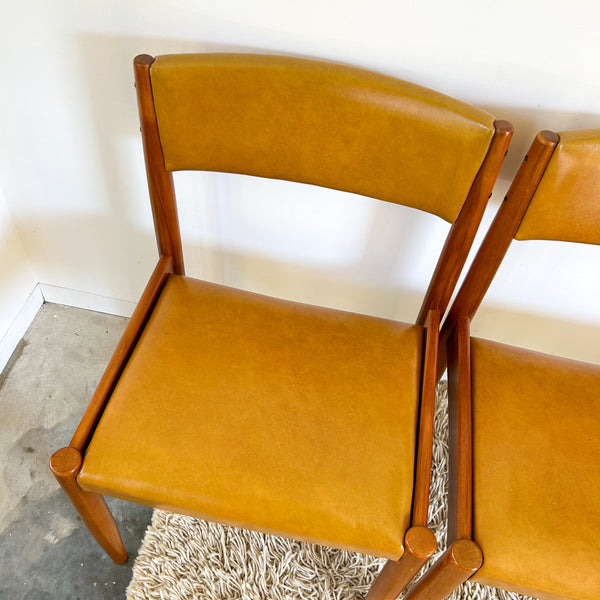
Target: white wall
<point>17,283</point>
<point>71,165</point>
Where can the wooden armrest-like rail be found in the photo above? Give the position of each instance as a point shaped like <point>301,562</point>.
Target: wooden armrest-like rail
<point>122,353</point>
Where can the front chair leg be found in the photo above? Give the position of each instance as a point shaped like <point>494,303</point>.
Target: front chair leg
<point>65,464</point>
<point>461,560</point>
<point>419,546</point>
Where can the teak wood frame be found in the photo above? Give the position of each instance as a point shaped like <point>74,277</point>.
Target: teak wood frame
<point>464,557</point>
<point>419,540</point>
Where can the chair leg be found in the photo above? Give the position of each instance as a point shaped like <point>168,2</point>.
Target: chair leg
<point>419,546</point>
<point>65,464</point>
<point>461,560</point>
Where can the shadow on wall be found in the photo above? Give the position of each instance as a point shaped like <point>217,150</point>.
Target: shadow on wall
<point>333,288</point>
<point>578,341</point>
<point>83,247</point>
<point>338,287</point>
<point>345,289</point>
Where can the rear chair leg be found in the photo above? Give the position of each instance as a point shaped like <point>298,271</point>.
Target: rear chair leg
<point>461,560</point>
<point>419,546</point>
<point>65,464</point>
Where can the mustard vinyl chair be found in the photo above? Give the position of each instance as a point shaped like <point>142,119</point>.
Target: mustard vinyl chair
<point>282,417</point>
<point>524,487</point>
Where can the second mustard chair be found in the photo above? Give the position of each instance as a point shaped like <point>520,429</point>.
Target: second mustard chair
<point>524,488</point>
<point>277,416</point>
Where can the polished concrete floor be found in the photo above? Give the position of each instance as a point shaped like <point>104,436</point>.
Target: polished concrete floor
<point>45,551</point>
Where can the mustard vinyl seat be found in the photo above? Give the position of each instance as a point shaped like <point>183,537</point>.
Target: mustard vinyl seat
<point>536,470</point>
<point>263,413</point>
<point>241,395</point>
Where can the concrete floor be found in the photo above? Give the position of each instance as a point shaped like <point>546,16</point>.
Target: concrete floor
<point>45,551</point>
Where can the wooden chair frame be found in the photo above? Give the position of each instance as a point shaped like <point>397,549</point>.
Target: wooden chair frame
<point>419,540</point>
<point>463,556</point>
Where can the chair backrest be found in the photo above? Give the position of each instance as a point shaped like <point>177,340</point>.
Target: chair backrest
<point>566,203</point>
<point>320,123</point>
<point>554,196</point>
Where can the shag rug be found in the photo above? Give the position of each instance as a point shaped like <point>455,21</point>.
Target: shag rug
<point>182,558</point>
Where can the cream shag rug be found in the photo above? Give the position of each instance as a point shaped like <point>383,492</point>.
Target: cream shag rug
<point>182,558</point>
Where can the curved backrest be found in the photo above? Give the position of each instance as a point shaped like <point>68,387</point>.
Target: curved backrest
<point>566,203</point>
<point>321,123</point>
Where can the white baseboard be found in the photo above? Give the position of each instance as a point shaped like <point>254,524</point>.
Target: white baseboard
<point>58,295</point>
<point>87,301</point>
<point>19,326</point>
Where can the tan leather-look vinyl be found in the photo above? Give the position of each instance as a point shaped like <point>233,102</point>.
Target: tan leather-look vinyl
<point>566,204</point>
<point>320,123</point>
<point>536,451</point>
<point>266,414</point>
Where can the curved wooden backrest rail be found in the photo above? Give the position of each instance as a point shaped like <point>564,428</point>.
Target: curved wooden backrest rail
<point>160,181</point>
<point>459,240</point>
<point>501,231</point>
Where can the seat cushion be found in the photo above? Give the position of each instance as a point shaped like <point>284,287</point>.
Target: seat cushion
<point>536,452</point>
<point>267,414</point>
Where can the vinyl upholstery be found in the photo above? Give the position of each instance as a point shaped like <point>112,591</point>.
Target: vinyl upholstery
<point>536,451</point>
<point>566,204</point>
<point>268,414</point>
<point>309,121</point>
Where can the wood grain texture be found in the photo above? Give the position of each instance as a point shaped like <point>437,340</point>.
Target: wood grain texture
<point>461,235</point>
<point>501,232</point>
<point>455,566</point>
<point>119,359</point>
<point>160,181</point>
<point>65,464</point>
<point>419,546</point>
<point>460,484</point>
<point>426,414</point>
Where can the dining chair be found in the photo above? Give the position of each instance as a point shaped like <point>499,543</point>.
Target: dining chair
<point>524,477</point>
<point>287,418</point>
